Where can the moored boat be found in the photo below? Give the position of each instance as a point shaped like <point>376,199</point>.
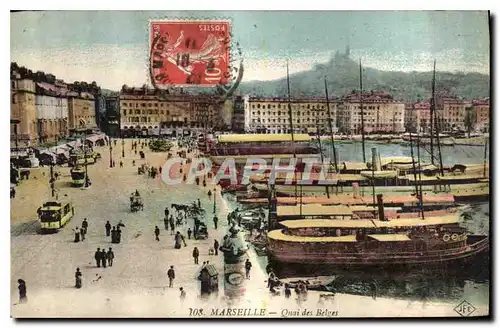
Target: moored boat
<point>433,240</point>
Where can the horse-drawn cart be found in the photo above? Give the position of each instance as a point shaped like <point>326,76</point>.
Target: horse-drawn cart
<point>136,203</point>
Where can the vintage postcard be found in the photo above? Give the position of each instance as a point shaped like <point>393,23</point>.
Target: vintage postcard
<point>264,164</point>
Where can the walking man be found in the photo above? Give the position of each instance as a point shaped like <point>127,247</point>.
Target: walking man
<point>103,257</point>
<point>83,231</point>
<point>215,221</point>
<point>157,233</point>
<point>248,266</point>
<point>216,247</point>
<point>121,164</point>
<point>171,276</point>
<point>165,221</point>
<point>97,257</point>
<point>77,234</point>
<point>196,254</point>
<point>189,233</point>
<point>172,225</point>
<point>85,226</point>
<point>108,228</point>
<point>110,256</point>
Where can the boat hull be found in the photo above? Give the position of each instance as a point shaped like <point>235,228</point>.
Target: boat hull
<point>476,246</point>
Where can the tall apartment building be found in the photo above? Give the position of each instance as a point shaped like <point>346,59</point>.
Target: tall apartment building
<point>481,110</point>
<point>51,111</point>
<point>417,117</point>
<point>23,109</point>
<point>146,111</point>
<point>81,111</point>
<point>271,115</point>
<point>381,113</point>
<point>450,112</point>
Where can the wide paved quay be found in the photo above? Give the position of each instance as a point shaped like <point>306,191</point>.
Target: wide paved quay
<point>137,284</point>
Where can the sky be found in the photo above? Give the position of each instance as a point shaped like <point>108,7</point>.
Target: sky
<point>111,47</point>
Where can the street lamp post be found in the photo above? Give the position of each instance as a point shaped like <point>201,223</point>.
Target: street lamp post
<point>52,180</point>
<point>110,154</point>
<point>214,198</point>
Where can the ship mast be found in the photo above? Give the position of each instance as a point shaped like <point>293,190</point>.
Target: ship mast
<point>331,128</point>
<point>485,155</point>
<point>432,112</point>
<point>435,120</point>
<point>322,159</point>
<point>417,194</point>
<point>419,186</point>
<point>291,127</point>
<point>362,112</point>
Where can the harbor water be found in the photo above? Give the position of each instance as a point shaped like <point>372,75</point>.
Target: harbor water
<point>441,285</point>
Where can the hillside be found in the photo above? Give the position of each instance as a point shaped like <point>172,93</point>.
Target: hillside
<point>343,76</point>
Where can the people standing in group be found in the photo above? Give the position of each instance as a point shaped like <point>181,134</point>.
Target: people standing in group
<point>118,235</point>
<point>107,226</point>
<point>103,257</point>
<point>216,247</point>
<point>288,291</point>
<point>167,212</point>
<point>171,276</point>
<point>113,235</point>
<point>97,257</point>
<point>196,255</point>
<point>248,266</point>
<point>157,233</point>
<point>216,220</point>
<point>78,278</point>
<point>110,256</point>
<point>22,291</point>
<point>77,234</point>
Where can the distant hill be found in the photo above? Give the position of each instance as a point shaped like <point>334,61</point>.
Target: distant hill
<point>343,77</point>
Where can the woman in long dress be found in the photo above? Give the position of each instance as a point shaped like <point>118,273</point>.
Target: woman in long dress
<point>78,278</point>
<point>178,240</point>
<point>22,291</point>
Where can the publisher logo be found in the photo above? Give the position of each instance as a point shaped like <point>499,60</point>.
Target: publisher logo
<point>465,309</point>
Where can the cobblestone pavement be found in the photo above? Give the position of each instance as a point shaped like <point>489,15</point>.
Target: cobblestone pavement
<point>137,284</point>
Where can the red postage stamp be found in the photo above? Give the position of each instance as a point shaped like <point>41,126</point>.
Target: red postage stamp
<point>190,52</point>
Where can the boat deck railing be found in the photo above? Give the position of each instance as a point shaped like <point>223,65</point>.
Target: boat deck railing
<point>473,247</point>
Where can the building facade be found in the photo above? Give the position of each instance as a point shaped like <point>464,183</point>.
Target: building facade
<point>481,111</point>
<point>417,117</point>
<point>238,119</point>
<point>381,113</point>
<point>81,112</point>
<point>111,123</point>
<point>23,109</point>
<point>52,112</point>
<point>152,112</point>
<point>271,115</point>
<point>450,113</point>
